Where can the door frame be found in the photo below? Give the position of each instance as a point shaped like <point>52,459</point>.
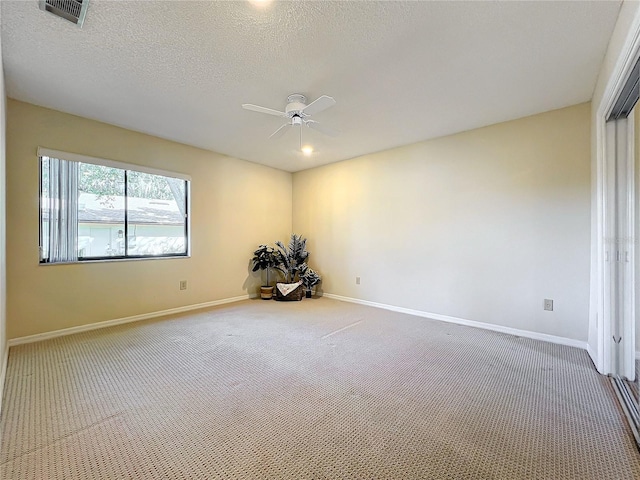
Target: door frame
<point>606,242</point>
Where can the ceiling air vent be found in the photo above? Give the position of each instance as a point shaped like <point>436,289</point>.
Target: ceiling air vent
<point>72,10</point>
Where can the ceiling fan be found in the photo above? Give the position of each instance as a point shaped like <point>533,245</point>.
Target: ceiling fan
<point>297,112</point>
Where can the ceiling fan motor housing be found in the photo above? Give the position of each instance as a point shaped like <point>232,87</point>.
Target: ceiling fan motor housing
<point>295,104</point>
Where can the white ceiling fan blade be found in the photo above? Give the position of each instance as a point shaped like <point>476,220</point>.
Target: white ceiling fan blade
<point>257,108</point>
<point>321,128</point>
<point>281,131</point>
<point>319,104</point>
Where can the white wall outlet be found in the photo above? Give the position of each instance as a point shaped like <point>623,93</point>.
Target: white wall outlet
<point>548,304</point>
<point>357,280</point>
<point>183,284</point>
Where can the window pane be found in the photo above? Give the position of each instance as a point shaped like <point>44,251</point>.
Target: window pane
<point>156,214</point>
<point>90,211</point>
<point>100,211</point>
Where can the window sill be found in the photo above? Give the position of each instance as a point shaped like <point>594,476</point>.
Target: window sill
<point>110,260</point>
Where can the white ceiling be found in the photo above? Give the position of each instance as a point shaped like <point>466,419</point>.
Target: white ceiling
<point>400,72</point>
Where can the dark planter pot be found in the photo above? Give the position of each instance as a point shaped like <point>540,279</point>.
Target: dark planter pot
<point>308,294</point>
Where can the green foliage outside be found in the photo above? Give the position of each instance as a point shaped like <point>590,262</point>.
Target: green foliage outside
<point>107,182</point>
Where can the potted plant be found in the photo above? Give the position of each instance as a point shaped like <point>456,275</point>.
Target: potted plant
<point>265,258</point>
<point>291,262</point>
<point>309,279</point>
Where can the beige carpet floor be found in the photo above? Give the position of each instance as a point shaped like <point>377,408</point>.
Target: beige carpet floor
<point>308,390</point>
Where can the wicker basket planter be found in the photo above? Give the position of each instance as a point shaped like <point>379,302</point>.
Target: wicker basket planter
<point>294,295</point>
<point>266,292</point>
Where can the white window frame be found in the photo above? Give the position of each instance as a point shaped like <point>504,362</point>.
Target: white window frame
<point>75,157</point>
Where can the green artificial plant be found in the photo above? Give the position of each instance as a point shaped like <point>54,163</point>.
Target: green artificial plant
<point>310,278</point>
<point>266,258</point>
<point>292,258</point>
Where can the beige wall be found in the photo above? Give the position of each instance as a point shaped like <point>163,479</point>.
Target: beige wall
<point>482,225</point>
<point>233,209</point>
<point>3,257</point>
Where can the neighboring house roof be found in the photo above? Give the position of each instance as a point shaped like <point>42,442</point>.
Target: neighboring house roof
<point>101,209</point>
<point>106,209</point>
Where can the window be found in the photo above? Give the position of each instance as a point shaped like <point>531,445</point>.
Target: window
<point>93,209</point>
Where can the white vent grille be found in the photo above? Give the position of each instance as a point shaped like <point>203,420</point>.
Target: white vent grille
<point>72,10</point>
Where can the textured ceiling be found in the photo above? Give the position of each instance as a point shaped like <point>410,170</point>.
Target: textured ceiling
<point>400,72</point>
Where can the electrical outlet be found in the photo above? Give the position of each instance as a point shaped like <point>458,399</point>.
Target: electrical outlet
<point>548,304</point>
<point>357,280</point>
<point>183,284</point>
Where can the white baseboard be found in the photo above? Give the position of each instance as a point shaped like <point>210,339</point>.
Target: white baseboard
<point>118,321</point>
<point>4,363</point>
<point>469,323</point>
<point>435,316</point>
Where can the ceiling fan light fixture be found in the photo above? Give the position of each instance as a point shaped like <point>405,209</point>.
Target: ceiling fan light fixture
<point>307,150</point>
<point>260,3</point>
